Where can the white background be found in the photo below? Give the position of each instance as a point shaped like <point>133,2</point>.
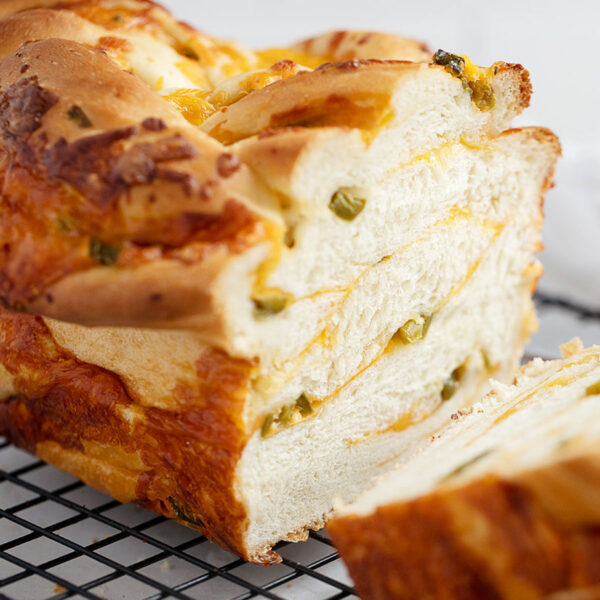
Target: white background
<point>558,41</point>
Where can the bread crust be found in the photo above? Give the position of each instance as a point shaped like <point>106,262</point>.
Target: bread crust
<point>491,539</point>
<point>178,459</point>
<point>129,26</point>
<point>343,45</point>
<point>139,178</point>
<point>42,24</point>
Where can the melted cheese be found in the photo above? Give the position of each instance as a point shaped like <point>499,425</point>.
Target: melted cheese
<point>222,59</point>
<point>192,104</point>
<point>479,80</point>
<point>475,73</point>
<point>196,105</point>
<point>385,119</point>
<point>233,89</point>
<point>260,287</point>
<point>270,56</point>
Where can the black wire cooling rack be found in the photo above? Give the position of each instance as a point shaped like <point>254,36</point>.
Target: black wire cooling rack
<point>66,540</point>
<point>60,539</point>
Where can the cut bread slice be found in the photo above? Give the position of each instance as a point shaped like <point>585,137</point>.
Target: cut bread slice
<point>407,207</point>
<point>427,103</point>
<point>503,503</point>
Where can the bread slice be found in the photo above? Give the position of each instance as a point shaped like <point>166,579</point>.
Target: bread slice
<point>503,503</point>
<point>326,263</point>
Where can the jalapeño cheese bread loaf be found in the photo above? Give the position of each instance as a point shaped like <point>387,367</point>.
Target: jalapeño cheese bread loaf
<point>503,503</point>
<point>237,284</point>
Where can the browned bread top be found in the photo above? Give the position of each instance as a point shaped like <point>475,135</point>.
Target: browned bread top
<point>346,45</point>
<point>122,25</point>
<point>101,171</point>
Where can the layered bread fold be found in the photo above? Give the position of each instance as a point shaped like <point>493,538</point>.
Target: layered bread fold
<point>233,298</point>
<point>502,503</point>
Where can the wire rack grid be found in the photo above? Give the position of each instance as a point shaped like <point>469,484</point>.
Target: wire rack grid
<point>71,541</point>
<point>60,539</point>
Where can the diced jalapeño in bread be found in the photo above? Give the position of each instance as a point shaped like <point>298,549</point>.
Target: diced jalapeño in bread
<point>269,305</point>
<point>413,330</point>
<point>105,254</point>
<point>346,206</point>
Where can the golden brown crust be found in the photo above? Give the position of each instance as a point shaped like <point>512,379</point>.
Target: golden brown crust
<point>341,45</point>
<point>204,58</point>
<point>138,177</point>
<point>41,24</point>
<point>136,15</point>
<point>12,7</point>
<point>514,81</point>
<point>487,540</point>
<point>140,297</point>
<point>178,461</point>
